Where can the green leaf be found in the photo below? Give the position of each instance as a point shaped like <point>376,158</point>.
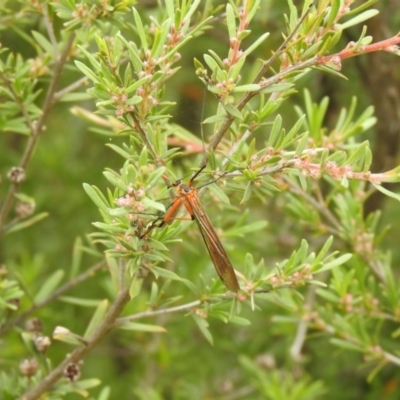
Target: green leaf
<point>135,287</point>
<point>193,7</point>
<point>346,345</point>
<point>256,43</point>
<point>76,257</point>
<point>291,137</point>
<point>160,38</point>
<point>359,18</point>
<point>75,97</point>
<point>215,118</point>
<point>175,49</point>
<point>317,283</point>
<point>333,12</point>
<point>328,295</point>
<point>97,318</point>
<point>135,326</point>
<point>136,85</point>
<point>115,180</point>
<point>134,100</point>
<point>247,193</point>
<point>105,393</point>
<point>231,21</point>
<point>376,370</point>
<point>133,52</point>
<point>203,326</point>
<point>324,250</point>
<point>88,72</point>
<point>109,227</point>
<point>48,287</point>
<point>119,151</point>
<point>232,110</point>
<point>219,193</point>
<point>387,192</point>
<point>359,154</point>
<point>252,7</point>
<point>235,69</point>
<point>335,263</point>
<point>251,87</point>
<point>94,193</point>
<point>118,212</point>
<point>165,273</point>
<point>275,131</point>
<point>44,43</point>
<point>140,30</point>
<point>278,87</point>
<point>153,204</point>
<point>91,58</point>
<point>65,335</point>
<point>80,386</point>
<point>79,301</point>
<point>212,64</point>
<point>240,321</point>
<point>302,144</point>
<point>27,222</point>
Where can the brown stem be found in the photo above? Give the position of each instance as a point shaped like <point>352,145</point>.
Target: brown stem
<point>383,45</point>
<point>36,129</point>
<point>143,135</point>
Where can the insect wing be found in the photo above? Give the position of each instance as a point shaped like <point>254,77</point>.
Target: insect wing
<point>214,246</point>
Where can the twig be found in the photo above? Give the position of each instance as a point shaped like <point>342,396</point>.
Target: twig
<point>320,207</point>
<point>280,76</point>
<point>302,327</point>
<point>349,51</point>
<point>146,314</point>
<point>36,129</point>
<point>391,358</point>
<point>374,265</point>
<point>50,31</point>
<point>143,135</point>
<point>267,64</point>
<point>267,170</point>
<point>217,137</point>
<point>70,88</point>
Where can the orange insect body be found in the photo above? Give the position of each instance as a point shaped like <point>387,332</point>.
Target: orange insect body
<point>188,196</point>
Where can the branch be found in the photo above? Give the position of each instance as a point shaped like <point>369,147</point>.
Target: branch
<point>70,88</point>
<point>217,137</point>
<point>79,353</point>
<point>146,314</point>
<point>36,129</point>
<point>320,207</point>
<point>352,51</point>
<point>50,30</point>
<point>302,327</point>
<point>385,45</point>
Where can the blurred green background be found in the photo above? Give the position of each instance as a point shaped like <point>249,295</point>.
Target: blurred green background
<point>181,364</point>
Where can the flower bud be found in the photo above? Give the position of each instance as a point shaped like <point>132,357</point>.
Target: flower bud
<point>28,367</point>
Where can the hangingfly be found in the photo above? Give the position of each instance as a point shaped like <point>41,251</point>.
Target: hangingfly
<point>189,197</point>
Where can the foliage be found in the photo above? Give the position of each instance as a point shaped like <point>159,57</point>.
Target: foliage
<point>284,184</point>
